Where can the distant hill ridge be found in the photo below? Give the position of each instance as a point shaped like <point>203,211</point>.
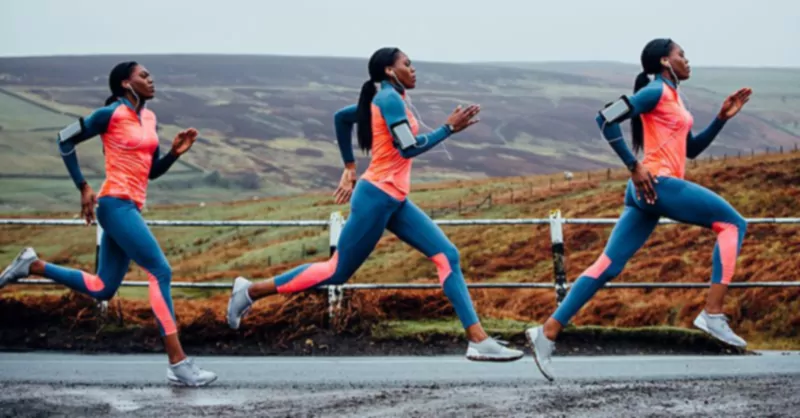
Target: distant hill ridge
<point>266,122</point>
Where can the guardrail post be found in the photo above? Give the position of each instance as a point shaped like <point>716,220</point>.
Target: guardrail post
<point>103,305</point>
<point>335,225</point>
<point>335,293</point>
<point>557,240</point>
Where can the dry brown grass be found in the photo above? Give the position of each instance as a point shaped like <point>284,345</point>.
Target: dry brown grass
<point>766,186</point>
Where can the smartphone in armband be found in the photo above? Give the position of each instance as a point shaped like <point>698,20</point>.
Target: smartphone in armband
<point>616,111</point>
<point>403,137</point>
<point>71,131</point>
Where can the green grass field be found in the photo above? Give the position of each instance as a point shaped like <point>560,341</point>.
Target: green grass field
<point>18,115</point>
<point>27,142</point>
<point>34,194</point>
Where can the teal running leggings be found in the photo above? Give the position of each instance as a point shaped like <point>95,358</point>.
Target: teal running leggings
<point>126,237</point>
<point>679,200</point>
<point>372,212</point>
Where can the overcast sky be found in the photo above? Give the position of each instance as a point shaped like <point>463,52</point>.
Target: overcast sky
<point>713,32</point>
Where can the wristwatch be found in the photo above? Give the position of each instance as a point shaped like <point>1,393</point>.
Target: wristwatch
<point>450,127</point>
<point>632,166</point>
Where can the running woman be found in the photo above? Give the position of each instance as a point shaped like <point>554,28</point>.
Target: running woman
<point>380,201</point>
<point>661,126</point>
<point>132,157</point>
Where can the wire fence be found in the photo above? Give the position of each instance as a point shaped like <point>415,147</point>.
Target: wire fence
<point>517,190</point>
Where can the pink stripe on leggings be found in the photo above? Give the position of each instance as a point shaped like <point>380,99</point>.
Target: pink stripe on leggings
<point>442,267</point>
<point>92,282</point>
<point>160,308</point>
<point>598,268</point>
<point>312,276</point>
<point>728,241</point>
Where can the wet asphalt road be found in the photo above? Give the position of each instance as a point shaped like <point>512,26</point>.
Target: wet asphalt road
<point>53,384</point>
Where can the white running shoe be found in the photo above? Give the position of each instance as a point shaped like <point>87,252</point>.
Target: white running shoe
<point>188,374</point>
<point>491,350</point>
<point>716,325</point>
<point>19,268</point>
<point>542,349</point>
<point>239,303</point>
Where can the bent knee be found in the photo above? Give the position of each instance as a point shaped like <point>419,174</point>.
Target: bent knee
<point>741,225</point>
<point>736,227</point>
<point>451,254</point>
<point>446,261</point>
<point>99,288</point>
<point>162,272</point>
<point>739,222</point>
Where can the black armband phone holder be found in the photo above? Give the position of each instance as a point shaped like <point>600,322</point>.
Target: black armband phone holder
<point>616,111</point>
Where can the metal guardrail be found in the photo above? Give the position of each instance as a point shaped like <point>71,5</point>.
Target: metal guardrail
<point>308,223</point>
<point>433,286</point>
<point>336,223</point>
